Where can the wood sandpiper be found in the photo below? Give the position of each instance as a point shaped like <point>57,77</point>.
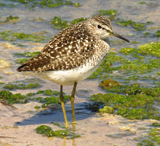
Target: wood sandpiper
<point>73,55</point>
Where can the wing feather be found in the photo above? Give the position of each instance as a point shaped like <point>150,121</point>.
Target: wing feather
<point>68,49</point>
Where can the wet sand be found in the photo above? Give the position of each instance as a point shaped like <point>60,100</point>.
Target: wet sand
<point>17,126</point>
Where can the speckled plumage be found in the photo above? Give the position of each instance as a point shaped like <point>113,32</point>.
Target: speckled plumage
<point>71,48</point>
<point>72,55</point>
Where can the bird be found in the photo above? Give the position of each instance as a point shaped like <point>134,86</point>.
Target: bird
<point>73,55</point>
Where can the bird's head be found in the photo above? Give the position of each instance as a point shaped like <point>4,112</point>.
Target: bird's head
<point>101,26</point>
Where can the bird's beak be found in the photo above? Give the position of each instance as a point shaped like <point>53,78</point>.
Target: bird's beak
<point>118,36</point>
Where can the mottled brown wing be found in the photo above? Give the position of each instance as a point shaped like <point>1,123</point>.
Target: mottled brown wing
<point>68,49</point>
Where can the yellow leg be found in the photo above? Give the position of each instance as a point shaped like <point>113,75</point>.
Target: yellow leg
<point>73,130</point>
<point>63,107</point>
<point>72,102</point>
<point>64,141</point>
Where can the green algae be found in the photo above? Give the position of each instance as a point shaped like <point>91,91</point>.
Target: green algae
<point>50,100</point>
<point>125,22</point>
<point>28,54</point>
<point>109,83</point>
<point>145,142</point>
<point>1,83</point>
<point>131,64</point>
<point>58,23</point>
<point>108,12</point>
<point>57,3</point>
<point>157,34</point>
<point>57,124</point>
<point>37,107</point>
<point>2,5</point>
<point>147,49</point>
<point>52,97</point>
<point>9,19</point>
<point>142,2</point>
<point>47,3</point>
<point>136,25</point>
<point>12,36</point>
<point>8,5</point>
<point>22,60</point>
<point>66,133</point>
<point>106,109</point>
<point>155,135</point>
<point>156,124</point>
<point>47,131</point>
<point>146,34</point>
<point>10,98</point>
<point>136,89</point>
<point>139,26</point>
<point>48,92</point>
<point>111,13</point>
<point>137,103</point>
<point>75,21</point>
<point>21,86</point>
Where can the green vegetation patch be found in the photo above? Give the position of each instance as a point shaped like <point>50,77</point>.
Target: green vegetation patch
<point>58,23</point>
<point>21,86</point>
<point>2,5</point>
<point>125,22</point>
<point>156,124</point>
<point>47,131</point>
<point>53,97</point>
<point>111,13</point>
<point>10,98</point>
<point>153,138</point>
<point>155,135</point>
<point>106,109</point>
<point>147,49</point>
<point>142,3</point>
<point>28,56</point>
<point>109,83</point>
<point>47,3</point>
<point>22,60</point>
<point>136,25</point>
<point>137,103</point>
<point>135,89</point>
<point>8,5</point>
<point>1,83</point>
<point>8,19</point>
<point>146,34</point>
<point>139,26</point>
<point>57,3</point>
<point>157,34</point>
<point>145,142</point>
<point>108,12</point>
<point>12,36</point>
<point>131,65</point>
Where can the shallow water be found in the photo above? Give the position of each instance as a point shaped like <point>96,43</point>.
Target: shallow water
<point>92,127</point>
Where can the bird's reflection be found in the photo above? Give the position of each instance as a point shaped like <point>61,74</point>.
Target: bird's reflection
<point>73,140</point>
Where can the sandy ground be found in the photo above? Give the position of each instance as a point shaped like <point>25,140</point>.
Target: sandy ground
<point>17,126</point>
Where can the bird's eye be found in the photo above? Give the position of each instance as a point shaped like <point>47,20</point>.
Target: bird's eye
<point>99,26</point>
